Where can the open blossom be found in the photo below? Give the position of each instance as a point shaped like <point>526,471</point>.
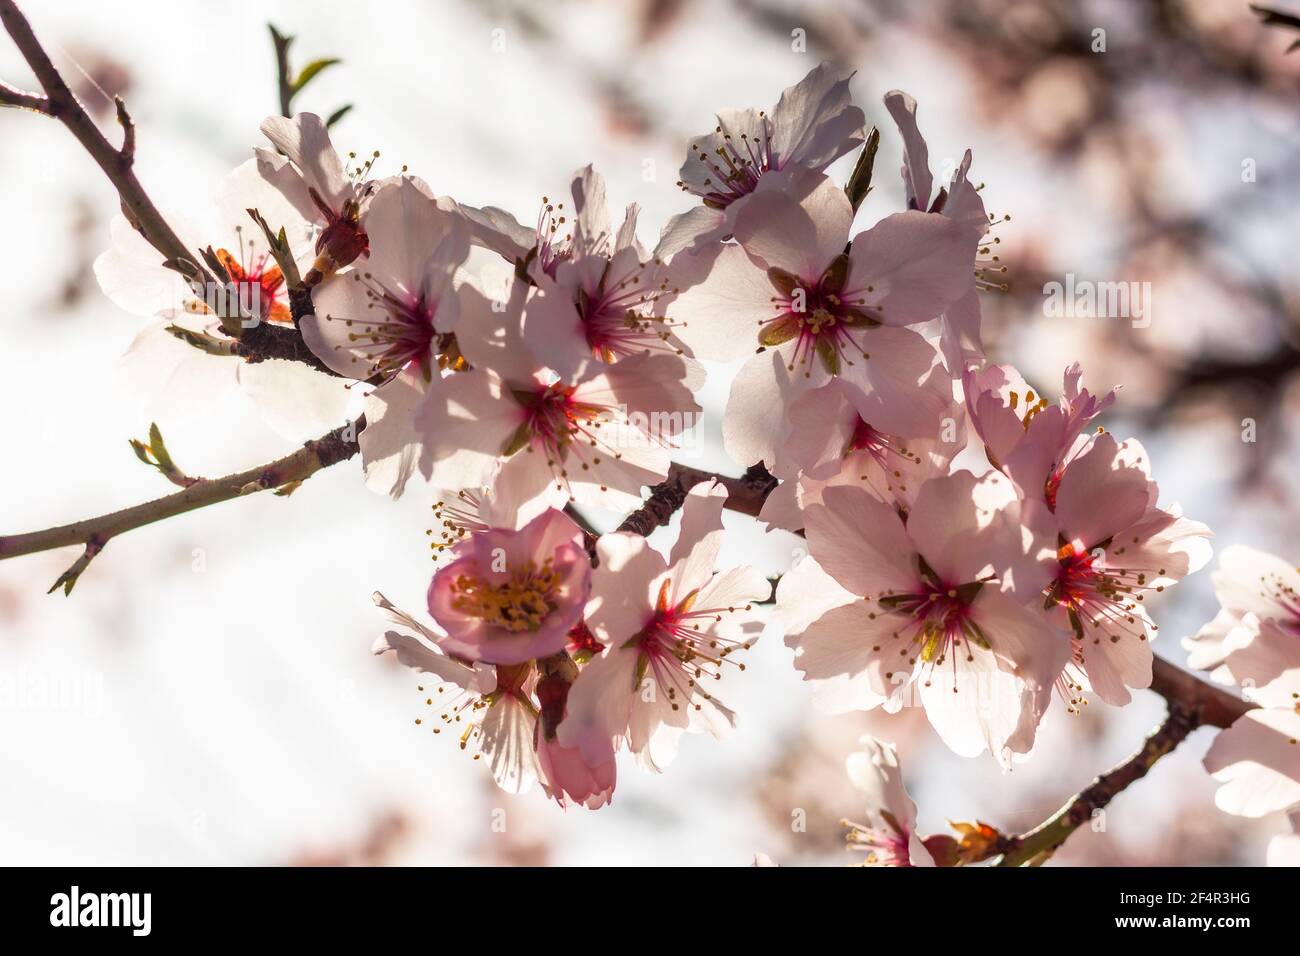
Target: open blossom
<point>960,201</point>
<point>162,365</point>
<point>1024,434</point>
<point>815,312</point>
<point>889,836</point>
<point>1257,759</point>
<point>512,596</point>
<point>669,630</point>
<point>489,708</point>
<point>1116,548</point>
<point>395,313</point>
<point>1255,638</point>
<point>837,437</point>
<point>934,603</point>
<point>813,124</point>
<point>598,436</point>
<point>1255,641</point>
<point>389,323</point>
<point>306,168</point>
<point>596,289</point>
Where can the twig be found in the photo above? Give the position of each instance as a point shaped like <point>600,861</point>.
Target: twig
<point>1192,703</point>
<point>94,533</point>
<point>1040,843</point>
<point>117,164</point>
<point>744,495</point>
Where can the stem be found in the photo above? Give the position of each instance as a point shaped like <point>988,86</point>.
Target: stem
<point>94,533</point>
<point>117,164</point>
<point>1192,703</point>
<point>744,495</point>
<point>1040,843</point>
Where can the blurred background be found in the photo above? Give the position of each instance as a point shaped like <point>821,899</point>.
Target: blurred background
<point>207,695</point>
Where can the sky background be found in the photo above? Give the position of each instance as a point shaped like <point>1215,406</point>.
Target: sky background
<point>207,695</point>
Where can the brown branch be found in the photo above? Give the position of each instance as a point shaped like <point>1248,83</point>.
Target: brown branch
<point>117,164</point>
<point>20,99</point>
<point>1192,703</point>
<point>94,533</point>
<point>744,495</point>
<point>256,343</point>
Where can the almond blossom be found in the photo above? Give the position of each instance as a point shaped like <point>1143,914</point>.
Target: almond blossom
<point>1255,638</point>
<point>1116,547</point>
<point>597,289</point>
<point>669,628</point>
<point>813,124</point>
<point>835,436</point>
<point>816,312</point>
<point>181,361</point>
<point>889,836</point>
<point>489,708</point>
<point>1024,434</point>
<point>1257,759</point>
<point>507,596</point>
<point>961,202</point>
<point>306,168</point>
<point>599,436</point>
<point>1253,642</point>
<point>934,602</point>
<point>389,323</point>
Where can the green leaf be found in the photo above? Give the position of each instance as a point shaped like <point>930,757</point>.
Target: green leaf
<point>859,183</point>
<point>337,115</point>
<point>310,72</point>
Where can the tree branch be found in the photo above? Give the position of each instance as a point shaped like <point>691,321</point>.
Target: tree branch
<point>744,495</point>
<point>1192,703</point>
<point>94,533</point>
<point>117,164</point>
<point>1036,846</point>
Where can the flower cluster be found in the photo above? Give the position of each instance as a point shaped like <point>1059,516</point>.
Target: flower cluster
<point>973,547</point>
<point>1254,643</point>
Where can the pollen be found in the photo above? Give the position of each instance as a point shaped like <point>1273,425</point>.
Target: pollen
<point>519,604</point>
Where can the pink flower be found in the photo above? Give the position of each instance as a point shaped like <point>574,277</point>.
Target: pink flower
<point>812,125</point>
<point>831,441</point>
<point>511,596</point>
<point>596,289</point>
<point>565,772</point>
<point>170,374</point>
<point>935,602</point>
<point>1255,638</point>
<point>598,436</point>
<point>961,202</point>
<point>319,186</point>
<point>397,312</point>
<point>815,312</point>
<point>669,628</point>
<point>1257,759</point>
<point>1024,435</point>
<point>1116,548</point>
<point>490,709</point>
<point>889,836</point>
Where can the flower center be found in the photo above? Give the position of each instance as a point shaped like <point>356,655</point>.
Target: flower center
<point>396,331</point>
<point>615,319</point>
<point>521,603</point>
<point>819,317</point>
<point>941,616</point>
<point>734,167</point>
